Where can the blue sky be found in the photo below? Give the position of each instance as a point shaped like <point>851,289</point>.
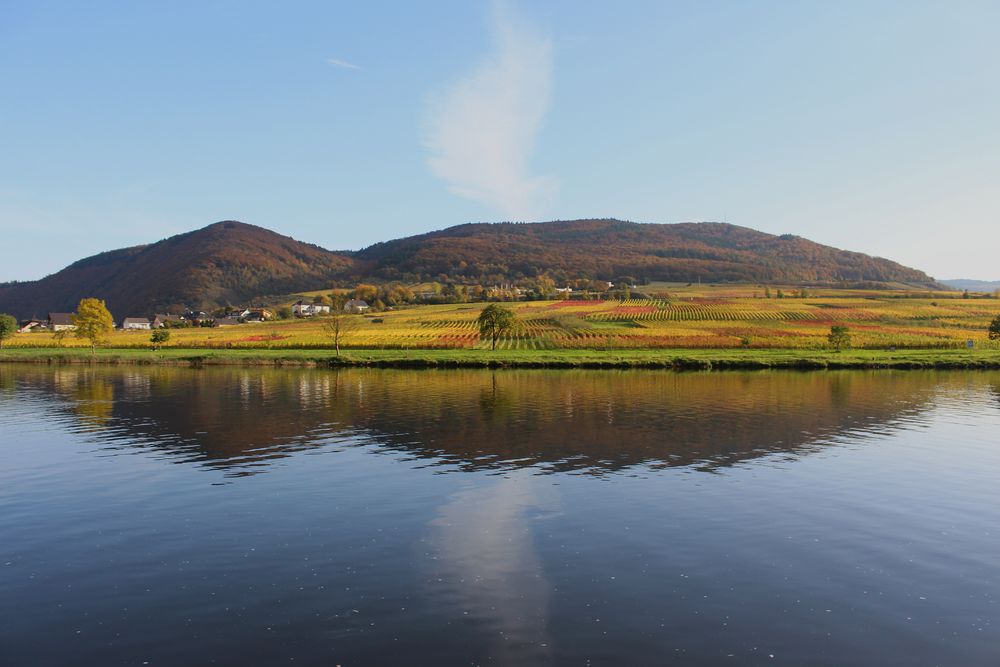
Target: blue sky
<point>865,125</point>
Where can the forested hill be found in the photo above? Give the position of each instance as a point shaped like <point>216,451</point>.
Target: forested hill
<point>227,262</point>
<point>605,249</point>
<point>235,262</point>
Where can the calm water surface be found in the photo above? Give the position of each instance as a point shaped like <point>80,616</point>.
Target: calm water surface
<point>244,517</point>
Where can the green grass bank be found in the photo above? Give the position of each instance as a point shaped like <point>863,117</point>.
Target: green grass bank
<point>707,359</point>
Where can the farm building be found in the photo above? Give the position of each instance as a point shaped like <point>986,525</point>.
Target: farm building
<point>303,309</point>
<point>161,320</point>
<point>135,323</point>
<point>32,325</point>
<point>356,306</point>
<point>61,322</point>
<point>258,315</point>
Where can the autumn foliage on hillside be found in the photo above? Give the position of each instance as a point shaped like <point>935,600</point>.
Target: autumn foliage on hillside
<point>232,262</point>
<point>226,262</point>
<point>606,249</point>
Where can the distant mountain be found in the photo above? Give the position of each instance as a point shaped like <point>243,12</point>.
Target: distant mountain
<point>236,262</point>
<point>712,252</point>
<point>225,262</point>
<point>973,285</point>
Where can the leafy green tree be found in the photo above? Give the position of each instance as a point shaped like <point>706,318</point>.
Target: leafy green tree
<point>8,326</point>
<point>839,337</point>
<point>93,322</point>
<point>495,321</point>
<point>994,330</point>
<point>284,313</point>
<point>159,337</point>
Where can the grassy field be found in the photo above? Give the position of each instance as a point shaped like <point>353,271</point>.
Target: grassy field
<point>479,358</point>
<point>682,317</point>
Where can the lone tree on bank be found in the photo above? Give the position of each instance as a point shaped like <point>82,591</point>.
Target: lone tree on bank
<point>159,337</point>
<point>495,321</point>
<point>8,325</point>
<point>839,337</point>
<point>93,322</point>
<point>338,324</point>
<point>994,330</point>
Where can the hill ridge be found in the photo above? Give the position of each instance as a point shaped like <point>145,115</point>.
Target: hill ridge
<point>713,251</point>
<point>236,262</point>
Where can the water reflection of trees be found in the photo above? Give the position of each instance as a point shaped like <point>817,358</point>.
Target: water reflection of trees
<point>593,421</point>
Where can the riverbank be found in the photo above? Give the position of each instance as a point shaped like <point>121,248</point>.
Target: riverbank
<point>693,359</point>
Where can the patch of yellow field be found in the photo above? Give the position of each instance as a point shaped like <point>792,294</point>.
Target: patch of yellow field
<point>691,317</point>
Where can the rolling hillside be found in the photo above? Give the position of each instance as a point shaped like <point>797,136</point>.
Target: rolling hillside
<point>236,262</point>
<point>605,249</point>
<point>225,262</point>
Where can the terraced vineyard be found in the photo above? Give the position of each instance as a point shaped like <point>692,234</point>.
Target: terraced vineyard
<point>879,320</point>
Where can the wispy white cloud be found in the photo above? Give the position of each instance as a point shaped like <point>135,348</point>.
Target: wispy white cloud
<point>343,64</point>
<point>481,130</point>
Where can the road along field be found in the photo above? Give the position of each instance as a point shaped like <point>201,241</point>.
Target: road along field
<point>880,321</point>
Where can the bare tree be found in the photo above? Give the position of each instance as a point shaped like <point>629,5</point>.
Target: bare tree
<point>338,324</point>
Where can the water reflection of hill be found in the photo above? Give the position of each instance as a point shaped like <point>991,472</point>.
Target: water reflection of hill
<point>591,421</point>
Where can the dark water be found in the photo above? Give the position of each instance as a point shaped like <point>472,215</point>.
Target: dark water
<point>243,517</point>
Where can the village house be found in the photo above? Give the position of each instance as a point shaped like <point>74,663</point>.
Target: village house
<point>28,326</point>
<point>252,314</point>
<point>135,323</point>
<point>258,315</point>
<point>509,291</point>
<point>161,320</point>
<point>303,309</point>
<point>61,322</point>
<point>356,306</point>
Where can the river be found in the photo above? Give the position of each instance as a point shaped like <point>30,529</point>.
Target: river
<point>174,516</point>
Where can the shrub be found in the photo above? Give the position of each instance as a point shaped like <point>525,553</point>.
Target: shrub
<point>839,337</point>
<point>994,330</point>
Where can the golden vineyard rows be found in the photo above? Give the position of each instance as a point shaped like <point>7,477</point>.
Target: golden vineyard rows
<point>875,322</point>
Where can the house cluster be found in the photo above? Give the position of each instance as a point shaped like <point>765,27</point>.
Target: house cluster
<point>198,318</point>
<point>64,321</point>
<point>54,322</point>
<point>303,309</point>
<point>507,291</point>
